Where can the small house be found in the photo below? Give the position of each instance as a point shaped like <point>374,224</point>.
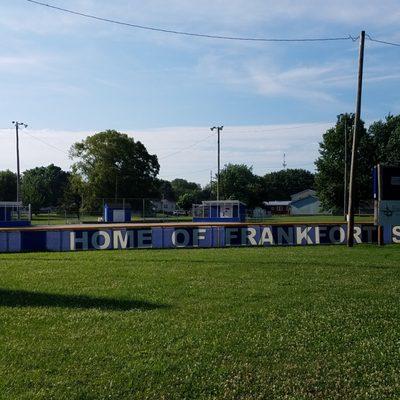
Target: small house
<point>306,203</point>
<point>164,206</point>
<point>277,207</point>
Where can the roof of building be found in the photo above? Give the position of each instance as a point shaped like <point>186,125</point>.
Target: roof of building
<point>221,202</point>
<point>277,203</point>
<point>303,194</point>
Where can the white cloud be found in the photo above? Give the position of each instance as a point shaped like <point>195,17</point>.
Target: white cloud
<point>267,77</point>
<point>23,62</point>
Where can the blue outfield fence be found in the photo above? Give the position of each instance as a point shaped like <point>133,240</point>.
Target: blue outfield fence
<point>103,237</point>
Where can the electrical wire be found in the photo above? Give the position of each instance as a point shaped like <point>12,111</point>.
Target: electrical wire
<point>202,35</point>
<point>44,142</point>
<point>313,124</point>
<point>186,148</point>
<point>382,41</point>
<point>162,176</point>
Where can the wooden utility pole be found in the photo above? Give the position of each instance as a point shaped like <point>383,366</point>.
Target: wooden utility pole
<point>219,129</point>
<point>353,165</point>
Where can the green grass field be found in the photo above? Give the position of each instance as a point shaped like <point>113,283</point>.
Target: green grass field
<point>58,219</point>
<point>240,323</point>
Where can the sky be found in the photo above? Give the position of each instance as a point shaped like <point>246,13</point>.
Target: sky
<point>68,77</point>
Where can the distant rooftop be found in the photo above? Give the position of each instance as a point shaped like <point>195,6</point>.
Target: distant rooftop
<point>220,202</point>
<point>277,203</point>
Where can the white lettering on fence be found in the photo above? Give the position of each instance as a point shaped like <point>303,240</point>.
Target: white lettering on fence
<point>266,236</point>
<point>145,238</point>
<point>122,239</point>
<point>303,235</point>
<point>181,232</point>
<point>96,240</point>
<point>396,234</point>
<point>230,234</point>
<point>248,236</point>
<point>198,234</point>
<point>73,241</point>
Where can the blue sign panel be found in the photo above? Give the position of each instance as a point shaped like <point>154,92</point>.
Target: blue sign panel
<point>180,236</point>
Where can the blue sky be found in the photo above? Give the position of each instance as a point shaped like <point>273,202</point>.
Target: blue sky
<point>68,77</point>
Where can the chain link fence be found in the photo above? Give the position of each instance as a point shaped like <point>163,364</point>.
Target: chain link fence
<point>142,210</point>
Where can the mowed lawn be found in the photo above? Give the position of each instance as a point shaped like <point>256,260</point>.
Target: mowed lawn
<point>240,323</point>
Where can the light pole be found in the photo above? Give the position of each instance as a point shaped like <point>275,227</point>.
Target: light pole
<point>17,125</point>
<point>345,169</point>
<point>219,129</point>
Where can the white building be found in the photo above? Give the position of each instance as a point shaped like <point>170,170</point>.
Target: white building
<point>164,206</point>
<point>306,203</point>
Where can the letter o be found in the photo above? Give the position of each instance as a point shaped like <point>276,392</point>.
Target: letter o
<point>96,243</point>
<point>186,238</point>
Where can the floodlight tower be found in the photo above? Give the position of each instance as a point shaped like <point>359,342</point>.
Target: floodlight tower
<point>17,125</point>
<point>219,129</point>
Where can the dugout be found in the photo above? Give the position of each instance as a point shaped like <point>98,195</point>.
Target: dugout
<point>13,213</point>
<point>117,213</point>
<point>219,211</point>
<point>387,198</point>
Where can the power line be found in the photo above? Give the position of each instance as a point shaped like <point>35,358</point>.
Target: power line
<point>249,130</point>
<point>46,143</point>
<point>186,148</point>
<point>162,176</point>
<point>175,32</point>
<point>382,41</point>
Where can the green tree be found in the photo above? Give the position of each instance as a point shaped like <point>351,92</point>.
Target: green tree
<point>385,137</point>
<point>182,186</point>
<point>206,193</point>
<point>165,190</point>
<point>186,201</point>
<point>237,182</point>
<point>44,186</point>
<point>112,164</point>
<point>331,164</point>
<point>8,186</point>
<point>280,185</point>
<point>73,194</point>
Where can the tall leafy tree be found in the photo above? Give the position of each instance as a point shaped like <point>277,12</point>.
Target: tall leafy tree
<point>385,137</point>
<point>238,182</point>
<point>72,200</point>
<point>182,186</point>
<point>44,186</point>
<point>8,186</point>
<point>186,193</point>
<point>186,200</point>
<point>166,190</point>
<point>112,164</point>
<point>280,185</point>
<point>331,164</point>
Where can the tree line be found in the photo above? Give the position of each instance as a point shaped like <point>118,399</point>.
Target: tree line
<point>113,165</point>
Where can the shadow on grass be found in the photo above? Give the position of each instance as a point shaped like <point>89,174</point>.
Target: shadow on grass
<point>23,298</point>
